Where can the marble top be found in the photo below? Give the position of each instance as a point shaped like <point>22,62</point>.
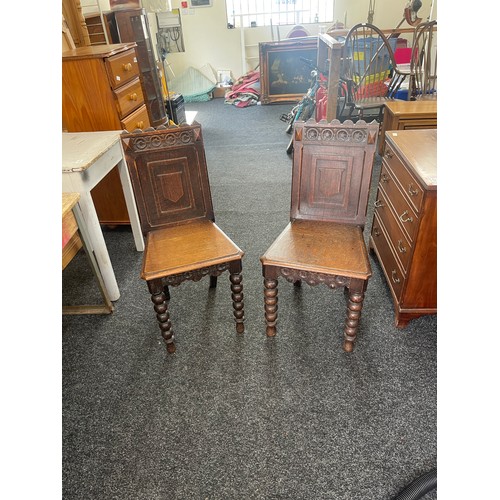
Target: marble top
<point>81,149</point>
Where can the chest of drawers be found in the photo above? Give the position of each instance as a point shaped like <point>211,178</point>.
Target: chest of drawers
<point>407,115</point>
<point>102,90</point>
<point>404,229</point>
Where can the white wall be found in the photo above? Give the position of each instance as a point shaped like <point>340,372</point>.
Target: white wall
<point>209,43</point>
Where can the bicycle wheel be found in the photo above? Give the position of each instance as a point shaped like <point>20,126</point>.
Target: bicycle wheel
<point>304,114</point>
<point>293,113</point>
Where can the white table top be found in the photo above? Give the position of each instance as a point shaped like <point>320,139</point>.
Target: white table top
<point>82,149</point>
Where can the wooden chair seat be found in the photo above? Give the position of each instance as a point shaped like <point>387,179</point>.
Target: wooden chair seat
<point>186,248</point>
<point>320,247</point>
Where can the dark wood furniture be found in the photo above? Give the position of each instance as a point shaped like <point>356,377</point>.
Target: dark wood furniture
<point>169,175</point>
<point>404,230</point>
<point>329,57</point>
<point>131,25</point>
<point>101,90</point>
<point>407,115</point>
<point>324,243</point>
<point>95,28</point>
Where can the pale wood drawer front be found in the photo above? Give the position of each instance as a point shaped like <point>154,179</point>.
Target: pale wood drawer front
<point>407,217</point>
<point>409,185</point>
<point>138,119</point>
<point>122,68</point>
<point>394,274</point>
<point>129,97</point>
<point>417,123</point>
<point>400,244</point>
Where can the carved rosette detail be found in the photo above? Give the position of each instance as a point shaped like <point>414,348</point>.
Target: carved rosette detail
<point>335,135</point>
<point>313,279</point>
<point>167,139</point>
<point>196,275</point>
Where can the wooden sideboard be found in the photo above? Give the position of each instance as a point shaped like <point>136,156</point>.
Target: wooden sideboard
<point>101,90</point>
<point>404,229</point>
<point>407,115</point>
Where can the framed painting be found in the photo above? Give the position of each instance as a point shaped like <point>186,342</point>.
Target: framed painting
<point>285,74</point>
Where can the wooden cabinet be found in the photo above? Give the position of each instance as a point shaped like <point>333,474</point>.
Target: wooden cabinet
<point>95,28</point>
<point>131,25</point>
<point>407,115</point>
<point>101,90</point>
<point>404,229</point>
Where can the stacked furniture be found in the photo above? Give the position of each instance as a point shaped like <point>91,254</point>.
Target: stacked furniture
<point>102,90</point>
<point>131,25</point>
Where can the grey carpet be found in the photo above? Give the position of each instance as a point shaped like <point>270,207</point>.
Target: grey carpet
<point>233,416</point>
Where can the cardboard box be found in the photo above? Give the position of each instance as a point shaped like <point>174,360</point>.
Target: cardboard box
<point>220,91</point>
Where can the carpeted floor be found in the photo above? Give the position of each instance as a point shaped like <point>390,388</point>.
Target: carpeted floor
<point>233,416</point>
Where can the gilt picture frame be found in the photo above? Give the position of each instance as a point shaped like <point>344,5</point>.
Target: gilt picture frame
<point>285,75</point>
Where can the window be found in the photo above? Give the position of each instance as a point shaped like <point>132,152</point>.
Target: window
<point>246,13</point>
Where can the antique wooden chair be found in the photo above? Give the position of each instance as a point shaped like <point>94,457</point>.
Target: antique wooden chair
<point>323,243</point>
<point>169,177</point>
<point>369,69</point>
<point>423,64</point>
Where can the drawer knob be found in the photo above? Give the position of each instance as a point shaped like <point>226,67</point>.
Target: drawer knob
<point>376,231</point>
<point>394,276</point>
<point>407,219</point>
<point>127,67</point>
<point>388,154</point>
<point>133,97</point>
<point>401,248</point>
<point>378,204</point>
<point>384,177</point>
<point>412,190</point>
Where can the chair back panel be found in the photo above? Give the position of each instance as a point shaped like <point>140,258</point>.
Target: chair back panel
<point>332,168</point>
<point>169,175</point>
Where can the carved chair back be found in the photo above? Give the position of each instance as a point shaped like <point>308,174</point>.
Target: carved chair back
<point>332,169</point>
<point>169,176</point>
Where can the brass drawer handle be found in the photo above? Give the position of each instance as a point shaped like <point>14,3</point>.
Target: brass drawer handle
<point>140,124</point>
<point>401,248</point>
<point>378,204</point>
<point>411,190</point>
<point>408,219</point>
<point>394,276</point>
<point>127,67</point>
<point>384,178</point>
<point>133,97</point>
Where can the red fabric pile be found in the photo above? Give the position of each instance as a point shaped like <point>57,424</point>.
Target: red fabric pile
<point>246,90</point>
